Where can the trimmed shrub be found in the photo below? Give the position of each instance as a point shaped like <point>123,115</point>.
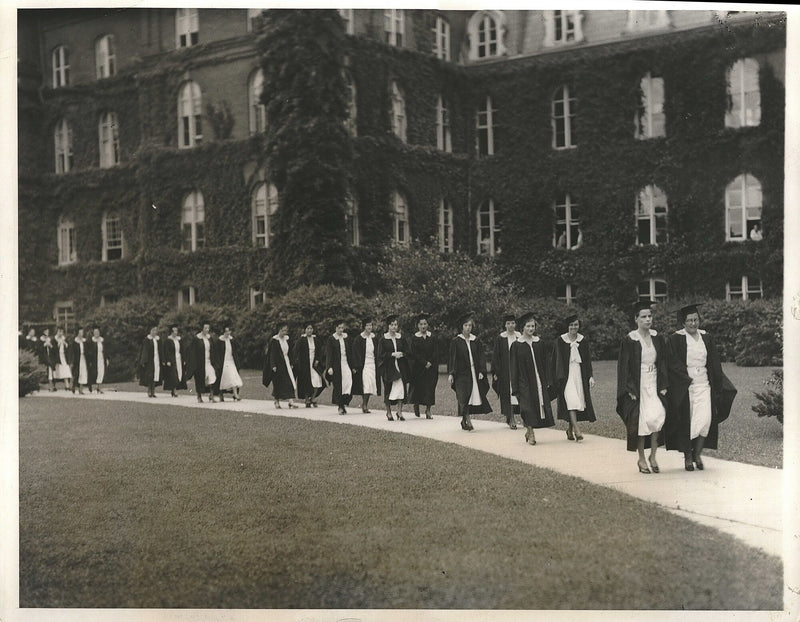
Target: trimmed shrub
<point>31,373</point>
<point>770,402</point>
<point>758,346</point>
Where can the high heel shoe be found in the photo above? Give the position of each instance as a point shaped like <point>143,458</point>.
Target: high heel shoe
<point>400,417</point>
<point>570,436</point>
<point>687,463</point>
<point>643,469</point>
<point>654,467</point>
<point>389,416</point>
<point>510,423</point>
<point>277,404</point>
<point>697,461</point>
<point>464,425</point>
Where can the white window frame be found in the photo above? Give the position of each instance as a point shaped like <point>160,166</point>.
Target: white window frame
<point>251,16</point>
<point>401,234</point>
<point>105,57</point>
<point>193,219</point>
<point>347,16</point>
<point>445,237</point>
<point>570,222</point>
<point>108,137</point>
<point>394,26</point>
<point>486,22</point>
<point>645,209</point>
<point>444,137</point>
<point>351,219</point>
<point>571,27</point>
<point>189,299</point>
<point>117,243</point>
<point>64,314</point>
<point>258,111</point>
<point>67,242</point>
<point>264,205</point>
<point>652,294</point>
<point>488,234</point>
<point>745,290</point>
<point>257,297</point>
<point>651,107</point>
<point>351,122</point>
<point>570,293</point>
<point>60,61</point>
<point>738,115</point>
<point>399,118</point>
<point>190,115</point>
<point>569,105</point>
<point>647,20</point>
<point>484,122</point>
<point>187,25</point>
<point>743,181</point>
<point>62,139</point>
<point>441,38</point>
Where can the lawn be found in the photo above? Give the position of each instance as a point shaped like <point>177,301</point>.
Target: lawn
<point>744,437</point>
<point>143,505</point>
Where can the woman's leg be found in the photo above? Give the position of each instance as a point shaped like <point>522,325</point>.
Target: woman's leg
<point>573,424</point>
<point>697,450</point>
<point>653,448</point>
<point>642,462</point>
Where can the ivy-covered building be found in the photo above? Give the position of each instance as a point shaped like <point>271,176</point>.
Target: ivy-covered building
<point>221,155</point>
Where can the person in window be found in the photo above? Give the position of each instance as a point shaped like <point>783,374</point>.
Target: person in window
<point>393,367</point>
<point>755,233</point>
<point>579,241</point>
<point>151,360</point>
<point>562,240</point>
<point>366,381</point>
<point>62,356</point>
<point>175,357</point>
<point>424,359</point>
<point>642,383</point>
<point>200,365</point>
<point>501,375</point>
<point>307,357</point>
<point>572,377</point>
<point>80,363</point>
<point>339,362</point>
<point>284,383</point>
<point>530,379</point>
<point>228,362</point>
<point>700,395</point>
<point>466,373</point>
<point>48,357</point>
<point>98,360</point>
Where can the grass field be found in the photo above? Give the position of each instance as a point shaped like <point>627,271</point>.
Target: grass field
<point>143,505</point>
<point>744,437</point>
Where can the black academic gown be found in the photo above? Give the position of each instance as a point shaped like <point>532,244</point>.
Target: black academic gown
<point>47,352</point>
<point>501,363</point>
<point>535,412</point>
<point>333,361</point>
<point>391,368</point>
<point>629,368</point>
<point>282,386</point>
<point>677,425</point>
<point>75,362</point>
<point>359,356</point>
<point>424,378</point>
<point>561,355</point>
<point>196,363</point>
<point>147,368</point>
<point>459,368</point>
<point>172,379</point>
<point>302,366</point>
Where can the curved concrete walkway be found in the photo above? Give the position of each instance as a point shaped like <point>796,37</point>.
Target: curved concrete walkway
<point>739,499</point>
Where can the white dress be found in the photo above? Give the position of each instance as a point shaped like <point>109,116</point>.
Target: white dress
<point>700,389</point>
<point>101,360</point>
<point>398,390</point>
<point>63,370</point>
<point>368,374</point>
<point>83,368</point>
<point>210,374</point>
<point>651,410</point>
<point>347,373</point>
<point>230,376</point>
<point>573,391</point>
<point>156,361</point>
<point>176,344</point>
<point>475,396</point>
<point>316,379</point>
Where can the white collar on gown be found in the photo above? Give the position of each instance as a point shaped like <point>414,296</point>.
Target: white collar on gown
<point>634,334</point>
<point>517,335</point>
<point>471,337</point>
<point>566,339</point>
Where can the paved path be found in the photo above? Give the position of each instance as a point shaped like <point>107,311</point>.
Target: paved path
<point>739,499</point>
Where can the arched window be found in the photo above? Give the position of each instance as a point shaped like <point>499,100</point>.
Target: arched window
<point>653,289</point>
<point>484,129</point>
<point>743,209</point>
<point>351,123</point>
<point>113,241</point>
<point>398,112</point>
<point>651,216</point>
<point>445,236</point>
<point>563,112</point>
<point>187,27</point>
<point>351,219</point>
<point>62,137</point>
<point>486,30</point>
<point>567,233</point>
<point>441,38</point>
<point>108,135</point>
<point>394,26</point>
<point>105,57</point>
<point>561,27</point>
<point>193,217</point>
<point>67,248</point>
<point>263,206</point>
<point>744,96</point>
<point>187,296</point>
<point>258,111</point>
<point>488,229</point>
<point>402,230</point>
<point>60,62</point>
<point>190,115</point>
<point>650,114</point>
<point>444,141</point>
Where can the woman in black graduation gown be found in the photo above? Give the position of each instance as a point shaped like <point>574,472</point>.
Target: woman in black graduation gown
<point>151,359</point>
<point>642,383</point>
<point>62,358</point>
<point>393,367</point>
<point>700,395</point>
<point>284,383</point>
<point>81,361</point>
<point>501,378</point>
<point>307,357</point>
<point>572,377</point>
<point>530,379</point>
<point>47,356</point>
<point>366,380</point>
<point>175,357</point>
<point>424,367</point>
<point>466,373</point>
<point>339,363</point>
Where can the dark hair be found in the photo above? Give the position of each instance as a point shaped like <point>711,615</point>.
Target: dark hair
<point>682,315</point>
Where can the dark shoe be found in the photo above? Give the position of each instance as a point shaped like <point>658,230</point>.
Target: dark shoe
<point>699,463</point>
<point>510,423</point>
<point>579,438</point>
<point>313,404</point>
<point>416,411</point>
<point>221,398</point>
<point>200,398</point>
<point>277,404</point>
<point>292,405</point>
<point>400,417</point>
<point>308,403</point>
<point>643,469</point>
<point>570,437</point>
<point>687,464</point>
<point>428,416</point>
<point>389,416</point>
<point>236,398</point>
<point>341,410</point>
<point>654,467</point>
<point>465,425</point>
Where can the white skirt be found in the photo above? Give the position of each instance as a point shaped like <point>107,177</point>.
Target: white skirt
<point>699,402</point>
<point>101,369</point>
<point>369,379</point>
<point>230,377</point>
<point>83,371</point>
<point>347,378</point>
<point>475,396</point>
<point>651,410</point>
<point>573,391</point>
<point>397,391</point>
<point>62,372</point>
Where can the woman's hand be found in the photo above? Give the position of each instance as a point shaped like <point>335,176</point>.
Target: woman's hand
<point>427,364</point>
<point>662,392</point>
<point>632,396</point>
<point>591,383</point>
<point>274,370</point>
<point>450,379</point>
<point>330,371</point>
<point>480,375</point>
